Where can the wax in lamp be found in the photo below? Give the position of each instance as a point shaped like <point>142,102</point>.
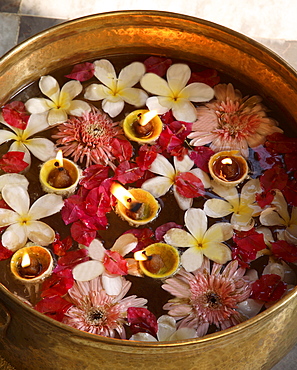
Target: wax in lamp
<point>136,206</point>
<point>143,126</point>
<point>31,264</point>
<point>158,260</point>
<point>228,168</point>
<point>59,175</point>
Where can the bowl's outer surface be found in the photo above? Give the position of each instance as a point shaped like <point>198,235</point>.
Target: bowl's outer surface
<point>30,340</point>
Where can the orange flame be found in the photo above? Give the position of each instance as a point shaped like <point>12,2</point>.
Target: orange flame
<point>227,161</point>
<point>123,195</point>
<point>140,256</point>
<point>25,260</point>
<point>146,117</point>
<point>59,158</point>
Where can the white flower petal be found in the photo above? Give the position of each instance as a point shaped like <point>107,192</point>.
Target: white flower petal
<point>78,108</point>
<point>6,135</point>
<point>37,105</point>
<point>217,208</point>
<point>280,203</point>
<point>56,116</point>
<point>183,110</point>
<point>14,237</point>
<point>249,190</point>
<point>50,87</point>
<point>250,307</point>
<point>143,337</point>
<point>7,217</point>
<point>154,103</point>
<point>36,123</point>
<point>218,232</point>
<point>17,198</point>
<point>70,90</point>
<point>155,84</point>
<point>177,76</point>
<point>180,238</point>
<point>183,202</point>
<point>166,327</point>
<point>88,270</point>
<point>125,244</point>
<point>112,284</point>
<point>41,148</point>
<point>40,233</point>
<point>113,108</point>
<point>162,166</point>
<point>105,73</point>
<point>203,176</point>
<point>217,252</point>
<point>228,193</point>
<point>242,221</point>
<point>130,75</point>
<point>192,259</point>
<point>13,179</point>
<point>96,92</point>
<point>184,165</point>
<point>133,96</point>
<point>157,186</point>
<point>183,333</point>
<point>18,146</point>
<point>198,92</point>
<point>196,223</point>
<point>45,206</point>
<point>269,217</point>
<point>96,250</point>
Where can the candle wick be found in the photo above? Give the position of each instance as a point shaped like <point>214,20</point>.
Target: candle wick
<point>57,164</point>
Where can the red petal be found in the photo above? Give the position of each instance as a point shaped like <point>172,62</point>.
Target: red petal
<point>58,283</point>
<point>280,143</point>
<point>127,173</point>
<point>268,288</point>
<point>82,72</point>
<point>208,76</point>
<point>94,175</point>
<point>167,117</point>
<point>267,159</point>
<point>274,178</point>
<point>98,202</point>
<point>73,209</point>
<point>12,162</point>
<point>15,114</point>
<point>145,237</point>
<point>141,320</point>
<point>73,258</point>
<point>200,155</point>
<point>189,185</point>
<point>168,141</point>
<point>114,263</point>
<point>181,129</point>
<point>265,198</point>
<point>243,257</point>
<point>162,230</point>
<point>5,253</point>
<point>284,250</point>
<point>290,191</point>
<point>157,65</point>
<point>146,156</point>
<point>83,234</point>
<point>122,149</point>
<point>250,241</point>
<point>60,247</point>
<point>54,307</point>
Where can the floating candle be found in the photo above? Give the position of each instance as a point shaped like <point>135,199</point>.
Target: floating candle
<point>137,206</point>
<point>143,126</point>
<point>31,264</point>
<point>228,168</point>
<point>158,260</point>
<point>59,175</point>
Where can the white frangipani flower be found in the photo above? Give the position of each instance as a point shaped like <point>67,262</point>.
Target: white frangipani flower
<point>60,102</point>
<point>89,270</point>
<point>13,179</point>
<point>115,91</point>
<point>167,331</point>
<point>22,221</point>
<point>41,148</point>
<point>174,93</point>
<point>200,240</point>
<point>160,185</point>
<point>242,205</point>
<point>278,215</point>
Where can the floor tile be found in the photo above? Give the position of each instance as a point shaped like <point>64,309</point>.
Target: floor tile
<point>29,26</point>
<point>9,28</point>
<point>10,6</point>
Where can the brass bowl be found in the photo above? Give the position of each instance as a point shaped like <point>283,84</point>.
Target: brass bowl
<point>30,340</point>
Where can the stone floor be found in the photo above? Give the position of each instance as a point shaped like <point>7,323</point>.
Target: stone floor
<point>271,22</point>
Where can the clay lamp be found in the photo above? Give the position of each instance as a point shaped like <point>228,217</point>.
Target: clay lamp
<point>143,126</point>
<point>228,168</point>
<point>158,260</point>
<point>136,206</point>
<point>59,175</point>
<point>32,264</point>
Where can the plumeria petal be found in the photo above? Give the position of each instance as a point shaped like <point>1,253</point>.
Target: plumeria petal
<point>269,217</point>
<point>166,327</point>
<point>242,222</point>
<point>13,179</point>
<point>192,259</point>
<point>125,244</point>
<point>78,108</point>
<point>198,92</point>
<point>158,103</point>
<point>69,91</point>
<point>105,73</point>
<point>6,135</point>
<point>178,75</point>
<point>217,208</point>
<point>203,176</point>
<point>41,148</point>
<point>112,108</point>
<point>56,116</point>
<point>217,252</point>
<point>180,238</point>
<point>133,96</point>
<point>196,222</point>
<point>88,270</point>
<point>112,284</point>
<point>218,232</point>
<point>96,92</point>
<point>36,123</point>
<point>50,87</point>
<point>184,165</point>
<point>130,75</point>
<point>96,250</point>
<point>183,202</point>
<point>155,84</point>
<point>184,110</point>
<point>162,166</point>
<point>19,203</point>
<point>143,337</point>
<point>40,233</point>
<point>8,217</point>
<point>18,146</point>
<point>14,237</point>
<point>157,186</point>
<point>183,333</point>
<point>45,206</point>
<point>37,105</point>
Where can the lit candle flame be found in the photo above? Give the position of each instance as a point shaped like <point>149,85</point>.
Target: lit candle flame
<point>25,260</point>
<point>227,161</point>
<point>124,196</point>
<point>146,117</point>
<point>59,158</point>
<point>140,256</point>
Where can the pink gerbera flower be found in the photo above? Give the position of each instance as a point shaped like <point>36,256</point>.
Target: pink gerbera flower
<point>96,312</point>
<point>207,296</point>
<point>232,122</point>
<point>90,136</point>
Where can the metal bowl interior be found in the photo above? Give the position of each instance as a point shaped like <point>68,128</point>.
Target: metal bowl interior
<point>257,343</point>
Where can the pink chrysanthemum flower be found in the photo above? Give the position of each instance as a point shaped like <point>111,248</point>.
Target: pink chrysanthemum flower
<point>89,136</point>
<point>96,312</point>
<point>232,122</point>
<point>207,296</point>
